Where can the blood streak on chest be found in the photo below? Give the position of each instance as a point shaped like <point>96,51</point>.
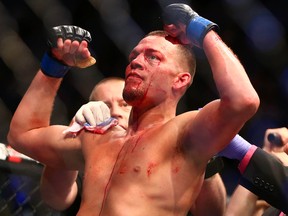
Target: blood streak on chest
<point>150,168</point>
<point>123,169</point>
<point>136,141</point>
<point>176,169</point>
<point>126,154</point>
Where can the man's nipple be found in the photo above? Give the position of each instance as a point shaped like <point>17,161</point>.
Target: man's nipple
<point>137,169</point>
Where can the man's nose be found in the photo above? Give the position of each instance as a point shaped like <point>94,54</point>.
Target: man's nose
<point>116,112</point>
<point>137,62</point>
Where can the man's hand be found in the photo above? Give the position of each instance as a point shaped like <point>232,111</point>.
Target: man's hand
<point>277,150</point>
<point>67,32</point>
<point>281,136</point>
<point>68,47</point>
<point>94,117</point>
<point>93,113</point>
<point>182,22</point>
<point>69,44</point>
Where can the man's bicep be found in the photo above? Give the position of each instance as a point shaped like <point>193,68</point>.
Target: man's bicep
<point>50,146</point>
<point>212,128</point>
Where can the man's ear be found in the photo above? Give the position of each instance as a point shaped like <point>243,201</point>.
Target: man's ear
<point>182,80</point>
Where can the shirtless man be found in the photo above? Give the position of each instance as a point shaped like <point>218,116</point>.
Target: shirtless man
<point>66,194</point>
<point>157,165</point>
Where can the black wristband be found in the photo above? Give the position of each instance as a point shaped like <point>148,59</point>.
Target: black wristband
<point>214,166</point>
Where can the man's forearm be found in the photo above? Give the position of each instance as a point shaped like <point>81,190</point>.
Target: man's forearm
<point>232,82</point>
<point>58,187</point>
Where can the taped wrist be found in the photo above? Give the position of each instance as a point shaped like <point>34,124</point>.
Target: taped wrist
<point>52,67</point>
<point>198,28</point>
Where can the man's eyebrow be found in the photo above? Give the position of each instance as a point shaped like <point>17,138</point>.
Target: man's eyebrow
<point>106,102</point>
<point>133,52</point>
<point>151,50</point>
<point>136,52</point>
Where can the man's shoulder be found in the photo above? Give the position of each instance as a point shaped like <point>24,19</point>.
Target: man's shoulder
<point>115,131</point>
<point>185,117</point>
<point>178,123</point>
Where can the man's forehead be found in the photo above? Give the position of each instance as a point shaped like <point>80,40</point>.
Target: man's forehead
<point>154,42</point>
<point>110,94</point>
<point>153,38</point>
<point>111,85</point>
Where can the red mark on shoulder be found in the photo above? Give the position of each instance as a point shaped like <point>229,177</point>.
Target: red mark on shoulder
<point>176,169</point>
<point>150,167</point>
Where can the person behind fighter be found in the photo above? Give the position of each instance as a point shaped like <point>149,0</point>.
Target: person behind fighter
<point>262,173</point>
<point>65,195</point>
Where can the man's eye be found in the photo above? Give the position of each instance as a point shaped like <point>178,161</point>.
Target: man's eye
<point>123,104</point>
<point>126,105</point>
<point>153,57</point>
<point>108,105</point>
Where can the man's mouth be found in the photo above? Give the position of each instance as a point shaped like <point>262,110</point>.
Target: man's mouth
<point>122,126</point>
<point>133,75</point>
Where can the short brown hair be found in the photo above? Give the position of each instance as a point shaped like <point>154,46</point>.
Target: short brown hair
<point>184,50</point>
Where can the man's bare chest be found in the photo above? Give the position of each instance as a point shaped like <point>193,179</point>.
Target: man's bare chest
<point>136,155</point>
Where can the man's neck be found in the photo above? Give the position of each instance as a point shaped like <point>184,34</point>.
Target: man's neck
<point>156,116</point>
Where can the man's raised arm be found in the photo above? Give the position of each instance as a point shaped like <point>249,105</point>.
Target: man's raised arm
<point>219,121</point>
<point>30,131</point>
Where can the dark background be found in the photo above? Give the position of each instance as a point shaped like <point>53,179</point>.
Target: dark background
<point>255,30</point>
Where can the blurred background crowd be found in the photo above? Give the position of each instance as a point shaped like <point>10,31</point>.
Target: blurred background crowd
<point>257,31</point>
